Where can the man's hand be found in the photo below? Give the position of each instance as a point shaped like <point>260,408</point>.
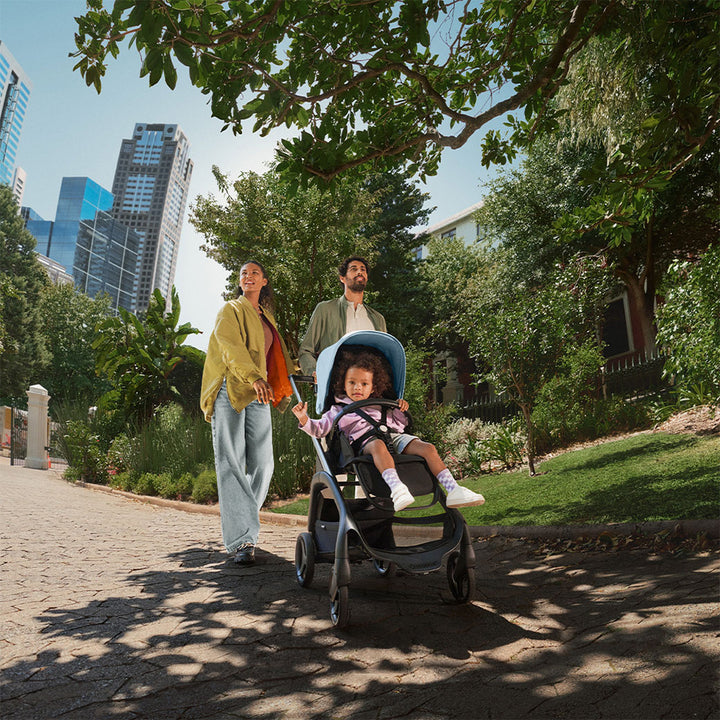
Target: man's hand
<point>264,391</point>
<point>300,412</point>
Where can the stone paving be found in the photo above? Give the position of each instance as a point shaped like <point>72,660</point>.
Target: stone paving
<point>113,608</point>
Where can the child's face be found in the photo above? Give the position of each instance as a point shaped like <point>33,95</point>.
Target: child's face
<point>358,383</point>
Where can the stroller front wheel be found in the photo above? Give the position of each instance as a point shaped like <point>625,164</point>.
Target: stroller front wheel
<point>340,607</point>
<point>304,559</point>
<point>460,579</point>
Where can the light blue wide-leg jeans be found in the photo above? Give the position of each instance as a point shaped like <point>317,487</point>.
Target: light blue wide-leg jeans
<point>244,466</point>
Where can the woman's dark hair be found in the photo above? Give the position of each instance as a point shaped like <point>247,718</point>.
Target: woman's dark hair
<point>267,296</point>
<point>368,359</point>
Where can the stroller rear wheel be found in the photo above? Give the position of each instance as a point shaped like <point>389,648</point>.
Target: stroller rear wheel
<point>460,579</point>
<point>340,607</point>
<point>304,559</point>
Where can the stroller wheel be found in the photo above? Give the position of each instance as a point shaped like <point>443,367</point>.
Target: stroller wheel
<point>340,607</point>
<point>383,568</point>
<point>460,579</point>
<point>304,559</point>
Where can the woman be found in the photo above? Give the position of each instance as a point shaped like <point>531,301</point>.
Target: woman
<point>246,369</point>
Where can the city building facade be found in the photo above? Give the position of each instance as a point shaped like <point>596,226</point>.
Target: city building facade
<point>15,88</point>
<point>94,247</point>
<point>151,185</point>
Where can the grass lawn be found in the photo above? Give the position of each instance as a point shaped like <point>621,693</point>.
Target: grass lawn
<point>650,476</point>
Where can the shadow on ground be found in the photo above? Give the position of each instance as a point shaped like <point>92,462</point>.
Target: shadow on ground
<point>573,635</point>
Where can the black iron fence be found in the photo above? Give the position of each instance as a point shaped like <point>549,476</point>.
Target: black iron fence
<point>18,437</point>
<point>631,377</point>
<point>55,454</point>
<point>636,375</point>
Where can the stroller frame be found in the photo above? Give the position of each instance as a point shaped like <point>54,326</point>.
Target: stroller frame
<point>344,531</point>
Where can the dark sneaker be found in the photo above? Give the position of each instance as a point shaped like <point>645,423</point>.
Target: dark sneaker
<point>245,554</point>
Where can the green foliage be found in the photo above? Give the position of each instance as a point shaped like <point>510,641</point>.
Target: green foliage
<point>300,238</point>
<point>689,326</point>
<point>69,321</point>
<point>171,441</point>
<point>23,346</point>
<point>294,457</point>
<point>386,84</point>
<point>84,453</point>
<point>138,355</point>
<point>473,447</point>
<point>205,487</point>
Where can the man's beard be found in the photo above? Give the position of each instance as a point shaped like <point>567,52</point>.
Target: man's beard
<point>356,284</point>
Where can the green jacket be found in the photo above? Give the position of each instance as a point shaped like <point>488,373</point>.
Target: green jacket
<point>236,352</point>
<point>327,325</point>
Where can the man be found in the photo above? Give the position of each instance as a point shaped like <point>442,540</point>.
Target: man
<point>334,318</point>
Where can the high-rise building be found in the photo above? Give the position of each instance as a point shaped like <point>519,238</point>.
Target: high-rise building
<point>98,251</point>
<point>151,184</point>
<point>15,90</point>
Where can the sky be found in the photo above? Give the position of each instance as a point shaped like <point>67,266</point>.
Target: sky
<point>70,130</point>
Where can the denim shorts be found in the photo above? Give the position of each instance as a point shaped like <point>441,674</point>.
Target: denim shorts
<point>399,440</point>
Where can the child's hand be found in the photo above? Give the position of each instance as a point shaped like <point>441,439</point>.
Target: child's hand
<point>403,404</point>
<point>300,412</point>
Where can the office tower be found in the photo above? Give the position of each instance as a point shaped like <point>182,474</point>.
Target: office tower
<point>98,250</point>
<point>14,96</point>
<point>151,185</point>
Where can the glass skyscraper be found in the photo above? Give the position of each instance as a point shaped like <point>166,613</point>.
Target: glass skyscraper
<point>151,184</point>
<point>14,96</point>
<point>94,247</point>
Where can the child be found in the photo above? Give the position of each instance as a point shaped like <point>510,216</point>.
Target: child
<point>364,375</point>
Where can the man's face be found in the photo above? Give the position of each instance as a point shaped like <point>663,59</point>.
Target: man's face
<point>355,278</point>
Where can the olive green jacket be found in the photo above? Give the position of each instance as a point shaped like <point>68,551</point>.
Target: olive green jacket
<point>327,325</point>
<point>236,353</point>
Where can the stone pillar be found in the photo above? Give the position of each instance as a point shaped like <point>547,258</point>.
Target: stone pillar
<point>37,432</point>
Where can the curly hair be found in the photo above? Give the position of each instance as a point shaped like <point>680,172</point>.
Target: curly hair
<point>365,358</point>
<point>343,267</point>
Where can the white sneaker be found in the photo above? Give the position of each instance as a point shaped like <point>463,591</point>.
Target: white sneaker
<point>460,496</point>
<point>401,497</point>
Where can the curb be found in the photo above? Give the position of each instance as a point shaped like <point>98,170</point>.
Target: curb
<point>542,532</point>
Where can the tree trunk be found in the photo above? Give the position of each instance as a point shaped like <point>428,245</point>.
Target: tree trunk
<point>530,438</point>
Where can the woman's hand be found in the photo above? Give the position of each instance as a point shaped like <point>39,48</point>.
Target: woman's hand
<point>403,404</point>
<point>300,412</point>
<point>264,391</point>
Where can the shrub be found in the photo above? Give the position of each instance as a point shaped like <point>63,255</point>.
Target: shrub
<point>145,484</point>
<point>86,459</point>
<point>473,446</point>
<point>175,488</point>
<point>205,487</point>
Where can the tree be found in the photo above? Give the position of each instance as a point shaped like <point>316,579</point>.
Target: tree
<point>384,83</point>
<point>300,239</point>
<point>69,322</point>
<point>397,288</point>
<point>534,212</point>
<point>22,279</point>
<point>521,334</point>
<point>138,355</point>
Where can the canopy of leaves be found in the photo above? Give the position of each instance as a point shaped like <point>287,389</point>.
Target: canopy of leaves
<point>362,81</point>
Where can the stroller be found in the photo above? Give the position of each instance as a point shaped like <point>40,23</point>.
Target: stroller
<point>344,530</point>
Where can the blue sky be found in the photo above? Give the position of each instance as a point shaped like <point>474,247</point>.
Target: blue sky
<point>70,130</point>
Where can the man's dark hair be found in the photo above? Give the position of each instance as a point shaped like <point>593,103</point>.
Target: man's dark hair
<point>343,267</point>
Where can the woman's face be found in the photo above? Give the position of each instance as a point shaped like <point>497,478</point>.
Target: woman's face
<point>252,279</point>
<point>358,383</point>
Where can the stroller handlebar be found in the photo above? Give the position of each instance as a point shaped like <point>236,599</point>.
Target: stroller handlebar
<point>303,378</point>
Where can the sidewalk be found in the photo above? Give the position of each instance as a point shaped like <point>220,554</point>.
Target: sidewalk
<point>112,607</point>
